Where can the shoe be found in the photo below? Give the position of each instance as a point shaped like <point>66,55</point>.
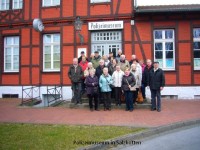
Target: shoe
<point>76,103</point>
<point>159,110</point>
<point>91,109</point>
<point>152,109</point>
<point>109,109</point>
<point>131,110</point>
<point>104,109</point>
<point>127,109</point>
<point>97,109</point>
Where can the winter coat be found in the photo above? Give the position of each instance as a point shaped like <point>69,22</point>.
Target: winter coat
<point>131,82</point>
<point>83,66</point>
<point>156,79</point>
<point>124,64</point>
<point>80,59</point>
<point>104,83</point>
<point>89,86</point>
<point>75,75</point>
<point>95,61</point>
<point>145,75</point>
<point>117,78</point>
<point>138,78</point>
<point>99,71</point>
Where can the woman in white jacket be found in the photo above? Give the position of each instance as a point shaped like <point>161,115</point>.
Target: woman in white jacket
<point>138,80</point>
<point>117,82</point>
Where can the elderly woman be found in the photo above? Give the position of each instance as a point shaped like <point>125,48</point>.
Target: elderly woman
<point>138,81</point>
<point>89,66</point>
<point>105,81</point>
<point>128,81</point>
<point>92,83</point>
<point>117,82</point>
<point>123,63</point>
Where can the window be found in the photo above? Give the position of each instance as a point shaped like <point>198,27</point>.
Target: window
<point>51,52</point>
<point>99,1</point>
<point>47,3</point>
<point>17,4</point>
<point>196,48</point>
<point>11,54</point>
<point>164,48</point>
<point>4,4</point>
<point>105,42</point>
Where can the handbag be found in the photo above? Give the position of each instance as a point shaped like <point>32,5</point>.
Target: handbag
<point>132,88</point>
<point>140,97</point>
<point>111,85</point>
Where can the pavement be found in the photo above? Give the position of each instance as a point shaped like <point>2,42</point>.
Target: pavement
<point>173,111</point>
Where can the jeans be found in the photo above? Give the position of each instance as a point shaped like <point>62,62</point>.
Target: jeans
<point>91,97</point>
<point>135,95</point>
<point>155,94</point>
<point>143,91</point>
<point>118,93</point>
<point>76,87</point>
<point>107,99</point>
<point>129,100</point>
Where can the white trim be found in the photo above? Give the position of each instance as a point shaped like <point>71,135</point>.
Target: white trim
<point>99,1</point>
<point>18,4</point>
<point>163,41</point>
<point>12,46</point>
<point>4,5</point>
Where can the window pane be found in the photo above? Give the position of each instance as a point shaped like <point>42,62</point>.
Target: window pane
<point>56,2</point>
<point>47,49</point>
<point>158,46</point>
<point>196,33</point>
<point>169,63</point>
<point>47,65</point>
<point>16,51</point>
<point>16,59</point>
<point>158,34</point>
<point>56,49</point>
<point>8,51</point>
<point>46,2</point>
<point>160,62</point>
<point>196,45</point>
<point>196,63</point>
<point>168,34</point>
<point>8,59</point>
<point>47,38</point>
<point>16,66</point>
<point>8,40</point>
<point>16,40</point>
<point>47,58</point>
<point>169,54</point>
<point>169,46</point>
<point>56,64</point>
<point>56,38</point>
<point>159,55</point>
<point>196,54</point>
<point>8,66</point>
<point>56,56</point>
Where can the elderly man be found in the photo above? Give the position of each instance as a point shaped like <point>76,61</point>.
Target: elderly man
<point>133,58</point>
<point>118,55</point>
<point>96,59</point>
<point>75,74</point>
<point>123,63</point>
<point>156,82</point>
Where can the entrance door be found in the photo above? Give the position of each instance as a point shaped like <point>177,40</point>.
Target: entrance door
<point>106,42</point>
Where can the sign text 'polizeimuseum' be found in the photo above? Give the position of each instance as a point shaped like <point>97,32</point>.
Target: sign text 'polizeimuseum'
<point>106,25</point>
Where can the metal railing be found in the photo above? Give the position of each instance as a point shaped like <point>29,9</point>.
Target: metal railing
<point>30,94</point>
<point>54,94</point>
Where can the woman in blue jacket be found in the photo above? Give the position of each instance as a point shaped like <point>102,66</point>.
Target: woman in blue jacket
<point>105,81</point>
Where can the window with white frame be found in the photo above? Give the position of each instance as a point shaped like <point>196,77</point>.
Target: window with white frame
<point>11,54</point>
<point>164,48</point>
<point>47,3</point>
<point>17,4</point>
<point>196,48</point>
<point>99,1</point>
<point>51,52</point>
<point>4,4</point>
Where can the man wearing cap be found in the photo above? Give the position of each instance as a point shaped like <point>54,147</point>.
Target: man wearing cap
<point>82,55</point>
<point>156,82</point>
<point>96,59</point>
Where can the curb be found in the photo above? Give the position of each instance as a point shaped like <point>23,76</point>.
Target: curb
<point>142,135</point>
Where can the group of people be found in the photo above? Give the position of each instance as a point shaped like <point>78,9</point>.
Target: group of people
<point>101,77</point>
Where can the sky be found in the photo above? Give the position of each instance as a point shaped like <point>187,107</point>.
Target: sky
<point>166,2</point>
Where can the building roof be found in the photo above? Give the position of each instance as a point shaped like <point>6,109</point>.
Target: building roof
<point>168,8</point>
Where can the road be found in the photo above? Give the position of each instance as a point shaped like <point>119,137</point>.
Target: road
<point>187,139</point>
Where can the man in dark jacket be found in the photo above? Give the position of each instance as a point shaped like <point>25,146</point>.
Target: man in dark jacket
<point>145,75</point>
<point>156,82</point>
<point>82,55</point>
<point>75,74</point>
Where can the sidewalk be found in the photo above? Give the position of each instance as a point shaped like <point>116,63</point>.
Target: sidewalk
<point>173,111</point>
